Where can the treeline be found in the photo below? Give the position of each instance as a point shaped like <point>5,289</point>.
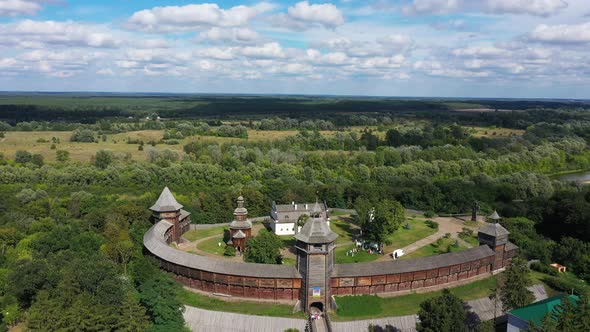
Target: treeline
<point>72,262</point>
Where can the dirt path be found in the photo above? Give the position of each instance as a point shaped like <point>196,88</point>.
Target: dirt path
<point>445,225</point>
<point>191,247</point>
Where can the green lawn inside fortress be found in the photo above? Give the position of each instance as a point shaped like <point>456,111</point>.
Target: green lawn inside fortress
<point>399,239</point>
<point>441,246</point>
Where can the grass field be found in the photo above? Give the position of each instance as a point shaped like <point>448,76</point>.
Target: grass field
<point>371,306</point>
<point>212,246</point>
<point>442,246</point>
<point>197,234</point>
<point>400,238</point>
<point>83,152</point>
<point>244,307</point>
<point>403,237</point>
<point>496,132</point>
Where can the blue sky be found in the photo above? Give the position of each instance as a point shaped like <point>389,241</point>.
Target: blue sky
<point>449,48</point>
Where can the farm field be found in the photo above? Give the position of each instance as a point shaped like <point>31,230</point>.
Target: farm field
<point>496,132</point>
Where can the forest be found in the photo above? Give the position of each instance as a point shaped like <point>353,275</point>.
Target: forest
<point>71,229</point>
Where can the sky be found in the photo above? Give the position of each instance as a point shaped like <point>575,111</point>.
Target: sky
<point>426,48</point>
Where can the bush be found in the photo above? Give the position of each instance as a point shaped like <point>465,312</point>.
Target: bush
<point>432,224</point>
<point>82,135</point>
<point>229,251</point>
<point>429,214</point>
<point>543,268</point>
<point>566,286</point>
<point>22,157</point>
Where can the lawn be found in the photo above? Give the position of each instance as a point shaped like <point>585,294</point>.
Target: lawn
<point>359,257</point>
<point>403,237</point>
<point>471,239</point>
<point>345,230</point>
<point>372,306</point>
<point>212,246</point>
<point>400,238</point>
<point>197,234</point>
<point>442,246</point>
<point>243,307</point>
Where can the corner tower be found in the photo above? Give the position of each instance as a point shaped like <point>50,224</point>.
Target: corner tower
<point>315,261</point>
<point>168,209</point>
<point>240,229</point>
<point>495,236</point>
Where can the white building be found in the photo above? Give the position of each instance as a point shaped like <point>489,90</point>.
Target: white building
<point>283,217</point>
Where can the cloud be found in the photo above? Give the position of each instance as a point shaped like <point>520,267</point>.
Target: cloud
<point>266,51</point>
<point>194,16</point>
<point>562,33</point>
<point>531,7</point>
<point>35,34</point>
<point>304,16</point>
<point>382,46</point>
<point>235,35</point>
<point>19,7</point>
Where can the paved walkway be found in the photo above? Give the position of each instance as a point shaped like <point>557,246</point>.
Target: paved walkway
<point>214,321</point>
<point>210,321</point>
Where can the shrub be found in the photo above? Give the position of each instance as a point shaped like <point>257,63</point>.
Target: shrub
<point>540,267</point>
<point>23,157</point>
<point>82,135</point>
<point>229,251</point>
<point>429,214</point>
<point>563,285</point>
<point>432,224</point>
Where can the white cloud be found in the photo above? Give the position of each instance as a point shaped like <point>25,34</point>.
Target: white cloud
<point>562,33</point>
<point>236,35</point>
<point>194,16</point>
<point>29,33</point>
<point>268,50</point>
<point>530,7</point>
<point>325,14</point>
<point>18,7</point>
<point>304,16</point>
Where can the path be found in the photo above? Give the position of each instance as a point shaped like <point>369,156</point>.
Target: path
<point>191,247</point>
<point>210,321</point>
<point>202,320</point>
<point>445,225</point>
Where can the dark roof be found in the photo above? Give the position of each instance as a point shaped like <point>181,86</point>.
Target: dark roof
<point>166,202</point>
<point>510,246</point>
<point>154,242</point>
<point>290,214</point>
<point>316,230</point>
<point>535,312</point>
<point>412,265</point>
<point>493,229</point>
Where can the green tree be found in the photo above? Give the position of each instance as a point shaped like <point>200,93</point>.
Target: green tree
<point>264,248</point>
<point>22,157</point>
<point>62,156</point>
<point>37,159</point>
<point>515,280</point>
<point>445,313</point>
<point>388,215</point>
<point>103,158</point>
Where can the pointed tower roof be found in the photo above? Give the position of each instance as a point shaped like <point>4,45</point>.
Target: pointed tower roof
<point>239,235</point>
<point>166,202</point>
<point>241,220</point>
<point>493,229</point>
<point>316,230</point>
<point>495,216</point>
